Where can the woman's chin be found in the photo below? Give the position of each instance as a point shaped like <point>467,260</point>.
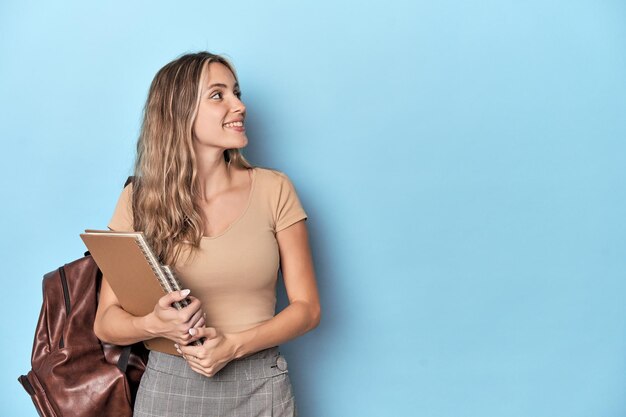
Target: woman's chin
<point>242,143</point>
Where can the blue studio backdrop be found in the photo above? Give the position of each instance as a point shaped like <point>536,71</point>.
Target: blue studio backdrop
<point>462,164</point>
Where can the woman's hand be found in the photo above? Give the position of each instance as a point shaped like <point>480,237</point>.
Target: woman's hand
<point>167,321</point>
<point>216,352</point>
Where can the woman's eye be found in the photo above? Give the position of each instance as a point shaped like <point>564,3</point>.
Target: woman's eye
<point>218,93</point>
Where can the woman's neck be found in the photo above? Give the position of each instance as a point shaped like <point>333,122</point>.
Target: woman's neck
<point>215,176</point>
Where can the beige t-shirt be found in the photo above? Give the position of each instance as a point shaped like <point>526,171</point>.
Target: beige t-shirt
<point>234,274</point>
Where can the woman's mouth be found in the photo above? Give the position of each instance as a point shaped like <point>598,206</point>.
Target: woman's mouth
<point>237,126</point>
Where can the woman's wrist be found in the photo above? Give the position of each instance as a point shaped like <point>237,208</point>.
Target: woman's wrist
<point>145,325</point>
<point>241,343</point>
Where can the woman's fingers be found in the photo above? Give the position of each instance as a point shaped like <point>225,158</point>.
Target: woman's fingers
<point>208,335</point>
<point>184,338</point>
<point>188,312</point>
<point>198,365</point>
<point>167,300</point>
<point>199,358</point>
<point>193,322</point>
<point>206,332</point>
<point>198,369</point>
<point>200,322</point>
<point>175,324</point>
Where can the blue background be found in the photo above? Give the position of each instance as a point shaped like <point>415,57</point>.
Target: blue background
<point>462,164</point>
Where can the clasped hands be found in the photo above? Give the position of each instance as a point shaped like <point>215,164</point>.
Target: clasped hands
<point>186,326</point>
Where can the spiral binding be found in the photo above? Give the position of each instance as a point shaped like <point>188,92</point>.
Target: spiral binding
<point>174,285</point>
<point>154,263</point>
<point>168,281</point>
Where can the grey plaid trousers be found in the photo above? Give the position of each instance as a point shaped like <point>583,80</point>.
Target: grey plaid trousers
<point>256,386</point>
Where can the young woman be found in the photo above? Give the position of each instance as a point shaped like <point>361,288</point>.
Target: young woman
<point>226,227</point>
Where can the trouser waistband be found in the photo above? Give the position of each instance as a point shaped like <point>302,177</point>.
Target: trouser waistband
<point>263,364</point>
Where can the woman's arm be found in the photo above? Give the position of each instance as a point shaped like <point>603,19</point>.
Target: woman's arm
<point>303,312</point>
<point>114,325</point>
<point>300,316</point>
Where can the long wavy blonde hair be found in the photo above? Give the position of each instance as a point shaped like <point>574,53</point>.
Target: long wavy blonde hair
<point>165,190</point>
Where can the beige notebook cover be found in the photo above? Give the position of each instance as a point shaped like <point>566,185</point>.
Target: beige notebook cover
<point>132,274</point>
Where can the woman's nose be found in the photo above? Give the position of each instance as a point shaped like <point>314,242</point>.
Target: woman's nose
<point>238,106</point>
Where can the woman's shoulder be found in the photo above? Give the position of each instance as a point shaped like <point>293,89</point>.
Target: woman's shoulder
<point>273,183</point>
<point>271,176</point>
<point>283,199</point>
<point>126,195</point>
<point>122,219</point>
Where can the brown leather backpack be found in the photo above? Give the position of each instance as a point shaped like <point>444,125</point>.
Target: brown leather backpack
<point>74,373</point>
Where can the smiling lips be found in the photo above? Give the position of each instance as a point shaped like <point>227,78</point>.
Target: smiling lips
<point>238,125</point>
<point>233,124</point>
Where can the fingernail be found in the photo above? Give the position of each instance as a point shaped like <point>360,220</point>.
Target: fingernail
<point>193,331</point>
<point>176,345</point>
<point>179,351</point>
<point>184,293</point>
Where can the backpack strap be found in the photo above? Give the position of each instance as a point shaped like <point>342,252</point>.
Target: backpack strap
<point>122,362</point>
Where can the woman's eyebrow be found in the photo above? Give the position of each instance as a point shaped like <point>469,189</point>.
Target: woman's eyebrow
<point>221,85</point>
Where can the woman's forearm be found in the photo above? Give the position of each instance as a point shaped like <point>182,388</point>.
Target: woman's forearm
<point>116,326</point>
<point>296,319</point>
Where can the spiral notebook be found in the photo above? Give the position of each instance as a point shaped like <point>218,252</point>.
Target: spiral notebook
<point>135,275</point>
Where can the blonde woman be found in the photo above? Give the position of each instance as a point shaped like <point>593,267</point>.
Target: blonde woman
<point>226,227</point>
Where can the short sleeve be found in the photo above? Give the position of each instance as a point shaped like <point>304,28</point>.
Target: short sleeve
<point>289,209</point>
<point>122,220</point>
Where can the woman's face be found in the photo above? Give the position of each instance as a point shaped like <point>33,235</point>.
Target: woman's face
<point>219,107</point>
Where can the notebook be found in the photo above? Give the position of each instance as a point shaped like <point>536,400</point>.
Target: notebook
<point>135,275</point>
